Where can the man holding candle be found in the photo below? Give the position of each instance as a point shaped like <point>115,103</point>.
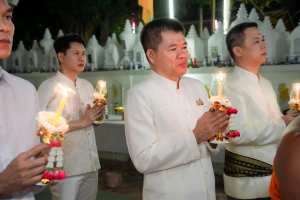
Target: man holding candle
<point>259,120</point>
<point>80,155</point>
<point>21,162</point>
<point>166,126</point>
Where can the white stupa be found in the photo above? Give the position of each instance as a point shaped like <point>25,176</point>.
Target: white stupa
<point>282,47</point>
<point>204,37</point>
<point>128,39</point>
<point>253,17</point>
<point>108,40</point>
<point>19,58</point>
<point>217,45</point>
<point>139,55</point>
<point>118,45</point>
<point>271,40</point>
<point>295,42</point>
<point>6,63</point>
<point>46,45</point>
<point>112,56</point>
<point>35,56</point>
<point>60,33</point>
<point>241,16</point>
<point>139,30</point>
<point>195,45</point>
<point>95,53</point>
<point>47,42</point>
<point>53,64</point>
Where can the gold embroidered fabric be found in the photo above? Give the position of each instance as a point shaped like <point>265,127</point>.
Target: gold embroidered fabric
<point>241,166</point>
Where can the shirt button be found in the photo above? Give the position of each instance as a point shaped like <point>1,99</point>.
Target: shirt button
<point>82,103</point>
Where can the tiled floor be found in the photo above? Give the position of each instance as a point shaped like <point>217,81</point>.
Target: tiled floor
<point>132,182</point>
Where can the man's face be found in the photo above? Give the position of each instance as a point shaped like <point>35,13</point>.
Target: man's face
<point>254,47</point>
<point>171,58</point>
<point>74,60</point>
<point>7,29</point>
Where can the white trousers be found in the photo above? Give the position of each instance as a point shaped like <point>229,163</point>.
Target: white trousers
<point>80,187</point>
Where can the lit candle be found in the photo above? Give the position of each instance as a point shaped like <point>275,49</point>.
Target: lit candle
<point>297,92</point>
<point>220,86</point>
<point>102,86</point>
<point>61,104</point>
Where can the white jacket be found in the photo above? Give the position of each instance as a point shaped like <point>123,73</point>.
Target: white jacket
<point>260,124</point>
<point>159,119</point>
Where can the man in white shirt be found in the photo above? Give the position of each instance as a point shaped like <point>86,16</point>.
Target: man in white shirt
<point>19,171</point>
<point>167,121</point>
<point>249,158</point>
<point>80,155</point>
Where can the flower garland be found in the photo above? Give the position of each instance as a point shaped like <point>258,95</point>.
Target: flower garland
<point>232,126</point>
<point>222,105</point>
<point>54,137</point>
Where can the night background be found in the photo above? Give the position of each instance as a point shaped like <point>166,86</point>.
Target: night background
<point>104,17</point>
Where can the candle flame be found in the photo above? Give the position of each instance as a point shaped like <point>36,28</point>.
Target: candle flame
<point>102,84</point>
<point>64,90</point>
<point>221,76</point>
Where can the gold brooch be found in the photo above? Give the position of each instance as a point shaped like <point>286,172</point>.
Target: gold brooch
<point>199,102</point>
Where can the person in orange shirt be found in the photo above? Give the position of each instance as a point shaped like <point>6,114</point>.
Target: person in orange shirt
<point>285,179</point>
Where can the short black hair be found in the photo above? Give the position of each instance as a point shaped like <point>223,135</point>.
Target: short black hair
<point>236,36</point>
<point>151,33</point>
<point>62,43</point>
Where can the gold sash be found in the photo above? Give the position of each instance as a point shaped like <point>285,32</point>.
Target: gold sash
<point>241,166</point>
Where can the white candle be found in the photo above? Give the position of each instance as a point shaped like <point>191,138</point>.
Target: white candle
<point>61,104</point>
<point>220,86</point>
<point>297,91</point>
<point>102,86</point>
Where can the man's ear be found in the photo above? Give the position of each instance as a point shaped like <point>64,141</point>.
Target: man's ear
<point>237,51</point>
<point>60,56</point>
<point>150,53</point>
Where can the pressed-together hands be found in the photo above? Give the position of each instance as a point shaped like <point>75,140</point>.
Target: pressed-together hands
<point>209,124</point>
<point>89,116</point>
<point>93,113</point>
<point>24,171</point>
<point>289,117</point>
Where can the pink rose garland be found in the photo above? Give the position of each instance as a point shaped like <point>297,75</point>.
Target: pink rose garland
<point>232,133</point>
<point>55,161</point>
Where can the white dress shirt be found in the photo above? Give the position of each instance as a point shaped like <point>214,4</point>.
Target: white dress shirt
<point>159,119</point>
<point>80,153</point>
<point>18,125</point>
<point>261,126</point>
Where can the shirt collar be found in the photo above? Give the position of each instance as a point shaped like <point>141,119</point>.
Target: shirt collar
<point>247,75</point>
<point>169,84</point>
<point>66,79</point>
